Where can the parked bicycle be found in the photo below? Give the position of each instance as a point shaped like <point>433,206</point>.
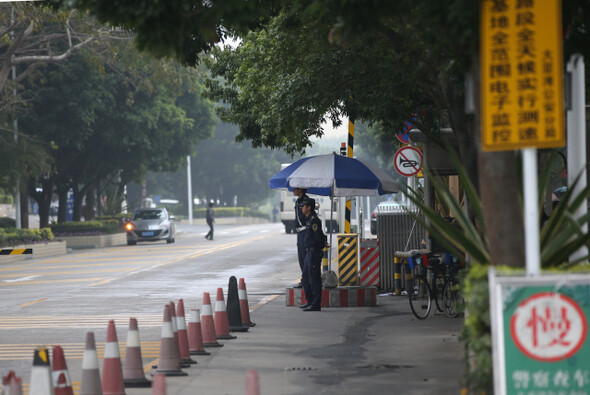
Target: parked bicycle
<point>452,298</point>
<point>428,283</point>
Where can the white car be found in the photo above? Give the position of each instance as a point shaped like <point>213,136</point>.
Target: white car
<point>150,224</point>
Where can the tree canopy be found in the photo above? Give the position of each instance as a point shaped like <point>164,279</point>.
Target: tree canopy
<point>103,122</point>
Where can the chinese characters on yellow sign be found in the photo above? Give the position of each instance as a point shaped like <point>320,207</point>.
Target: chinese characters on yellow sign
<point>521,74</point>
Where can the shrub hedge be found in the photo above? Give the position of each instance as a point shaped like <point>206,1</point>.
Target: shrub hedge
<point>6,199</point>
<point>7,222</point>
<point>223,212</point>
<point>108,226</point>
<point>12,236</point>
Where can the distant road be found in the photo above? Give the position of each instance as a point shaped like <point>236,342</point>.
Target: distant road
<point>57,300</point>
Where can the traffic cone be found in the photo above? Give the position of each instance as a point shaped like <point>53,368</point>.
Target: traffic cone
<point>90,374</point>
<point>221,320</point>
<point>112,373</point>
<point>252,383</point>
<point>133,375</point>
<point>195,334</point>
<point>234,316</point>
<point>41,382</point>
<point>208,324</point>
<point>159,384</point>
<point>175,330</point>
<point>185,355</point>
<point>169,362</point>
<point>12,384</point>
<point>244,308</point>
<point>59,371</point>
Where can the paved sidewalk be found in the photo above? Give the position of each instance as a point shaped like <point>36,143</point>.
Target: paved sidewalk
<point>354,350</point>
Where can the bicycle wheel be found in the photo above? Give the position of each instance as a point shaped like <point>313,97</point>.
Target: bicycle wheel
<point>420,297</point>
<point>452,300</point>
<point>439,282</point>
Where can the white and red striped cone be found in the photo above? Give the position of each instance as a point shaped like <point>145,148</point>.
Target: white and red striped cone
<point>185,355</point>
<point>195,334</point>
<point>62,384</point>
<point>221,320</point>
<point>41,382</point>
<point>12,384</point>
<point>159,384</point>
<point>175,330</point>
<point>90,384</point>
<point>208,324</point>
<point>252,383</point>
<point>112,373</point>
<point>244,308</point>
<point>234,315</point>
<point>169,362</point>
<point>133,374</point>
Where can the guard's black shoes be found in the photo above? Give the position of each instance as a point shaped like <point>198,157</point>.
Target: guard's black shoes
<point>298,285</point>
<point>305,305</point>
<point>312,308</point>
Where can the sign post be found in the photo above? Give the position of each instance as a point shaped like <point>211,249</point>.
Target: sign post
<point>522,92</point>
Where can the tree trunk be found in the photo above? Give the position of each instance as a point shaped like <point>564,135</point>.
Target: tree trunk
<point>62,209</point>
<point>499,186</point>
<point>24,207</point>
<point>78,196</point>
<point>498,189</point>
<point>89,207</point>
<point>43,198</point>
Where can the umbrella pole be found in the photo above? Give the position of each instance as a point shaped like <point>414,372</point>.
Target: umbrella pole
<point>331,229</point>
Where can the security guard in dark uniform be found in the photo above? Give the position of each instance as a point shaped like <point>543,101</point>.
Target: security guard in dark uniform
<point>314,241</point>
<point>300,228</point>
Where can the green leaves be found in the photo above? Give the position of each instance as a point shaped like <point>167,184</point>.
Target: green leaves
<point>560,236</point>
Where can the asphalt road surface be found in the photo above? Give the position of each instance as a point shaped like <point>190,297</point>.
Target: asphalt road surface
<point>57,300</point>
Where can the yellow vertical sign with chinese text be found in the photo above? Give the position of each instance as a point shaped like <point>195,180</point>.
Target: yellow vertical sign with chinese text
<point>521,74</point>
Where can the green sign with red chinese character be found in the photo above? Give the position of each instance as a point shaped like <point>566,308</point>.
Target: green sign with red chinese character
<point>540,334</point>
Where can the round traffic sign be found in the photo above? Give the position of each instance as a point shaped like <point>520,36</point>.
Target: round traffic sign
<point>403,137</point>
<point>548,327</point>
<point>408,161</point>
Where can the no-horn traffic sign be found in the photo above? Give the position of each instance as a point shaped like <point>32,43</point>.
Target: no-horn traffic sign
<point>408,161</point>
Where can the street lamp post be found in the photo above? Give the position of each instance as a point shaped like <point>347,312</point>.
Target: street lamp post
<point>190,189</point>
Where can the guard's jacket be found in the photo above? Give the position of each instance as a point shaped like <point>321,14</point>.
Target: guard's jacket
<point>314,238</point>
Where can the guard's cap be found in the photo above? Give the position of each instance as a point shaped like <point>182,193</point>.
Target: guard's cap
<point>307,202</point>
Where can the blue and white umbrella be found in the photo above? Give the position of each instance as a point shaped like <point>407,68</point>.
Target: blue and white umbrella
<point>334,175</point>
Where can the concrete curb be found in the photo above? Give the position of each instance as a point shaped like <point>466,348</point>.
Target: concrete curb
<point>336,297</point>
<point>43,250</point>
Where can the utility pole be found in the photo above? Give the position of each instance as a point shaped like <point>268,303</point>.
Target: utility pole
<point>190,189</point>
<point>350,155</point>
<point>17,205</point>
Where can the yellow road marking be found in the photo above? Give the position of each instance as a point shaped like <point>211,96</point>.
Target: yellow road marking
<point>71,272</point>
<point>33,302</point>
<point>8,352</point>
<point>64,321</point>
<point>71,280</point>
<point>194,255</point>
<point>263,302</point>
<point>42,267</point>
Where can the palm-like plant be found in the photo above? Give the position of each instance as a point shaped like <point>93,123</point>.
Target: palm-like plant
<point>561,235</point>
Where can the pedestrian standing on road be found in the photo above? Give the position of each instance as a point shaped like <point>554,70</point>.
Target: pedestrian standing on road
<point>299,228</point>
<point>210,220</point>
<point>314,241</point>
